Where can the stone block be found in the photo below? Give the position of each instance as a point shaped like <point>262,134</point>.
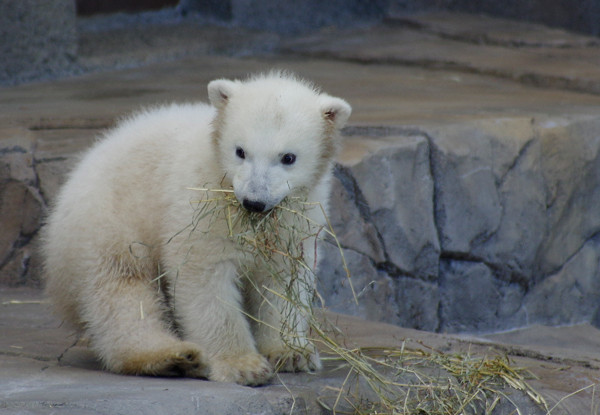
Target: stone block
<point>21,208</point>
<point>580,15</point>
<point>482,209</point>
<point>569,296</point>
<point>220,9</point>
<point>38,38</point>
<point>571,168</point>
<point>473,300</point>
<point>382,212</point>
<point>33,165</point>
<point>417,304</point>
<point>511,201</point>
<point>352,221</point>
<point>513,246</point>
<point>368,293</point>
<point>467,203</point>
<point>397,186</point>
<point>288,19</point>
<point>468,296</point>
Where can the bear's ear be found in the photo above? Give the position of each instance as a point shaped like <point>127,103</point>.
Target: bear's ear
<point>219,92</point>
<point>335,110</point>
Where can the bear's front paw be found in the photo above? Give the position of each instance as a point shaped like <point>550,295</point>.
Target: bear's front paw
<point>247,369</point>
<point>289,360</point>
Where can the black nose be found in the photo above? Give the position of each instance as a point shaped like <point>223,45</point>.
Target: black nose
<point>253,205</point>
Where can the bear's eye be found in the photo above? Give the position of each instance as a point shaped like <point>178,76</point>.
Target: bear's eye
<point>240,152</point>
<point>288,159</point>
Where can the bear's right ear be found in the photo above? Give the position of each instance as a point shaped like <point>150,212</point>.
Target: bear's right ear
<point>335,110</point>
<point>219,92</point>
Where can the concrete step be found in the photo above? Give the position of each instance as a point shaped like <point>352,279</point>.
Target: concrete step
<point>523,52</point>
<point>46,370</point>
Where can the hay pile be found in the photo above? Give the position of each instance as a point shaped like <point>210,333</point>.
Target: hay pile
<point>404,380</point>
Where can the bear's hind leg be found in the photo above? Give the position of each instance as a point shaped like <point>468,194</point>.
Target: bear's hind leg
<point>125,319</point>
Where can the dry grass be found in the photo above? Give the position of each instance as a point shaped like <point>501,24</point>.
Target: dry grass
<point>424,381</point>
<point>404,380</point>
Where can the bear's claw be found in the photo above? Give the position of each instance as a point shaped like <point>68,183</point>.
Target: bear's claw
<point>295,360</point>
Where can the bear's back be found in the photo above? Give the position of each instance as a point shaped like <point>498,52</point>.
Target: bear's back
<point>118,194</point>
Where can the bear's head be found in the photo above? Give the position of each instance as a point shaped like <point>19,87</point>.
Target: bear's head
<point>275,136</point>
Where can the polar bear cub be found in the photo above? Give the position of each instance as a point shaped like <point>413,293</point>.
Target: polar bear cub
<point>156,300</point>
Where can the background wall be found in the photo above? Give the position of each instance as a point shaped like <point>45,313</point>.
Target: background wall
<point>38,38</point>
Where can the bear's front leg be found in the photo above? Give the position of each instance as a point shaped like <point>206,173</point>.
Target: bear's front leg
<point>209,310</point>
<point>280,322</point>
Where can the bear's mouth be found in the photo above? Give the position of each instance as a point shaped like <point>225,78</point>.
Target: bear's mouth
<point>254,206</point>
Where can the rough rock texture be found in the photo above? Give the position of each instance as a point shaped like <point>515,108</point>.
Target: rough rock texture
<point>37,38</point>
<point>21,207</point>
<point>581,16</point>
<point>382,212</point>
<point>522,52</point>
<point>32,167</point>
<point>489,226</point>
<point>304,16</point>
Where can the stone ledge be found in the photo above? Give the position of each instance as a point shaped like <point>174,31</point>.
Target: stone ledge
<point>522,52</point>
<point>45,369</point>
<point>488,211</point>
<point>39,39</point>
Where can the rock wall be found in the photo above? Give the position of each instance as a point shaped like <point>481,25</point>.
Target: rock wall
<point>462,228</point>
<point>290,18</point>
<point>470,228</point>
<point>306,15</point>
<point>21,207</point>
<point>581,15</point>
<point>37,38</point>
<point>33,164</point>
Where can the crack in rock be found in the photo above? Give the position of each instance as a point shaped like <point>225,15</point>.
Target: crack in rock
<point>363,236</point>
<point>14,149</point>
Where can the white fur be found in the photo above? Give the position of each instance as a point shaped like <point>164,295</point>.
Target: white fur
<point>116,227</point>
